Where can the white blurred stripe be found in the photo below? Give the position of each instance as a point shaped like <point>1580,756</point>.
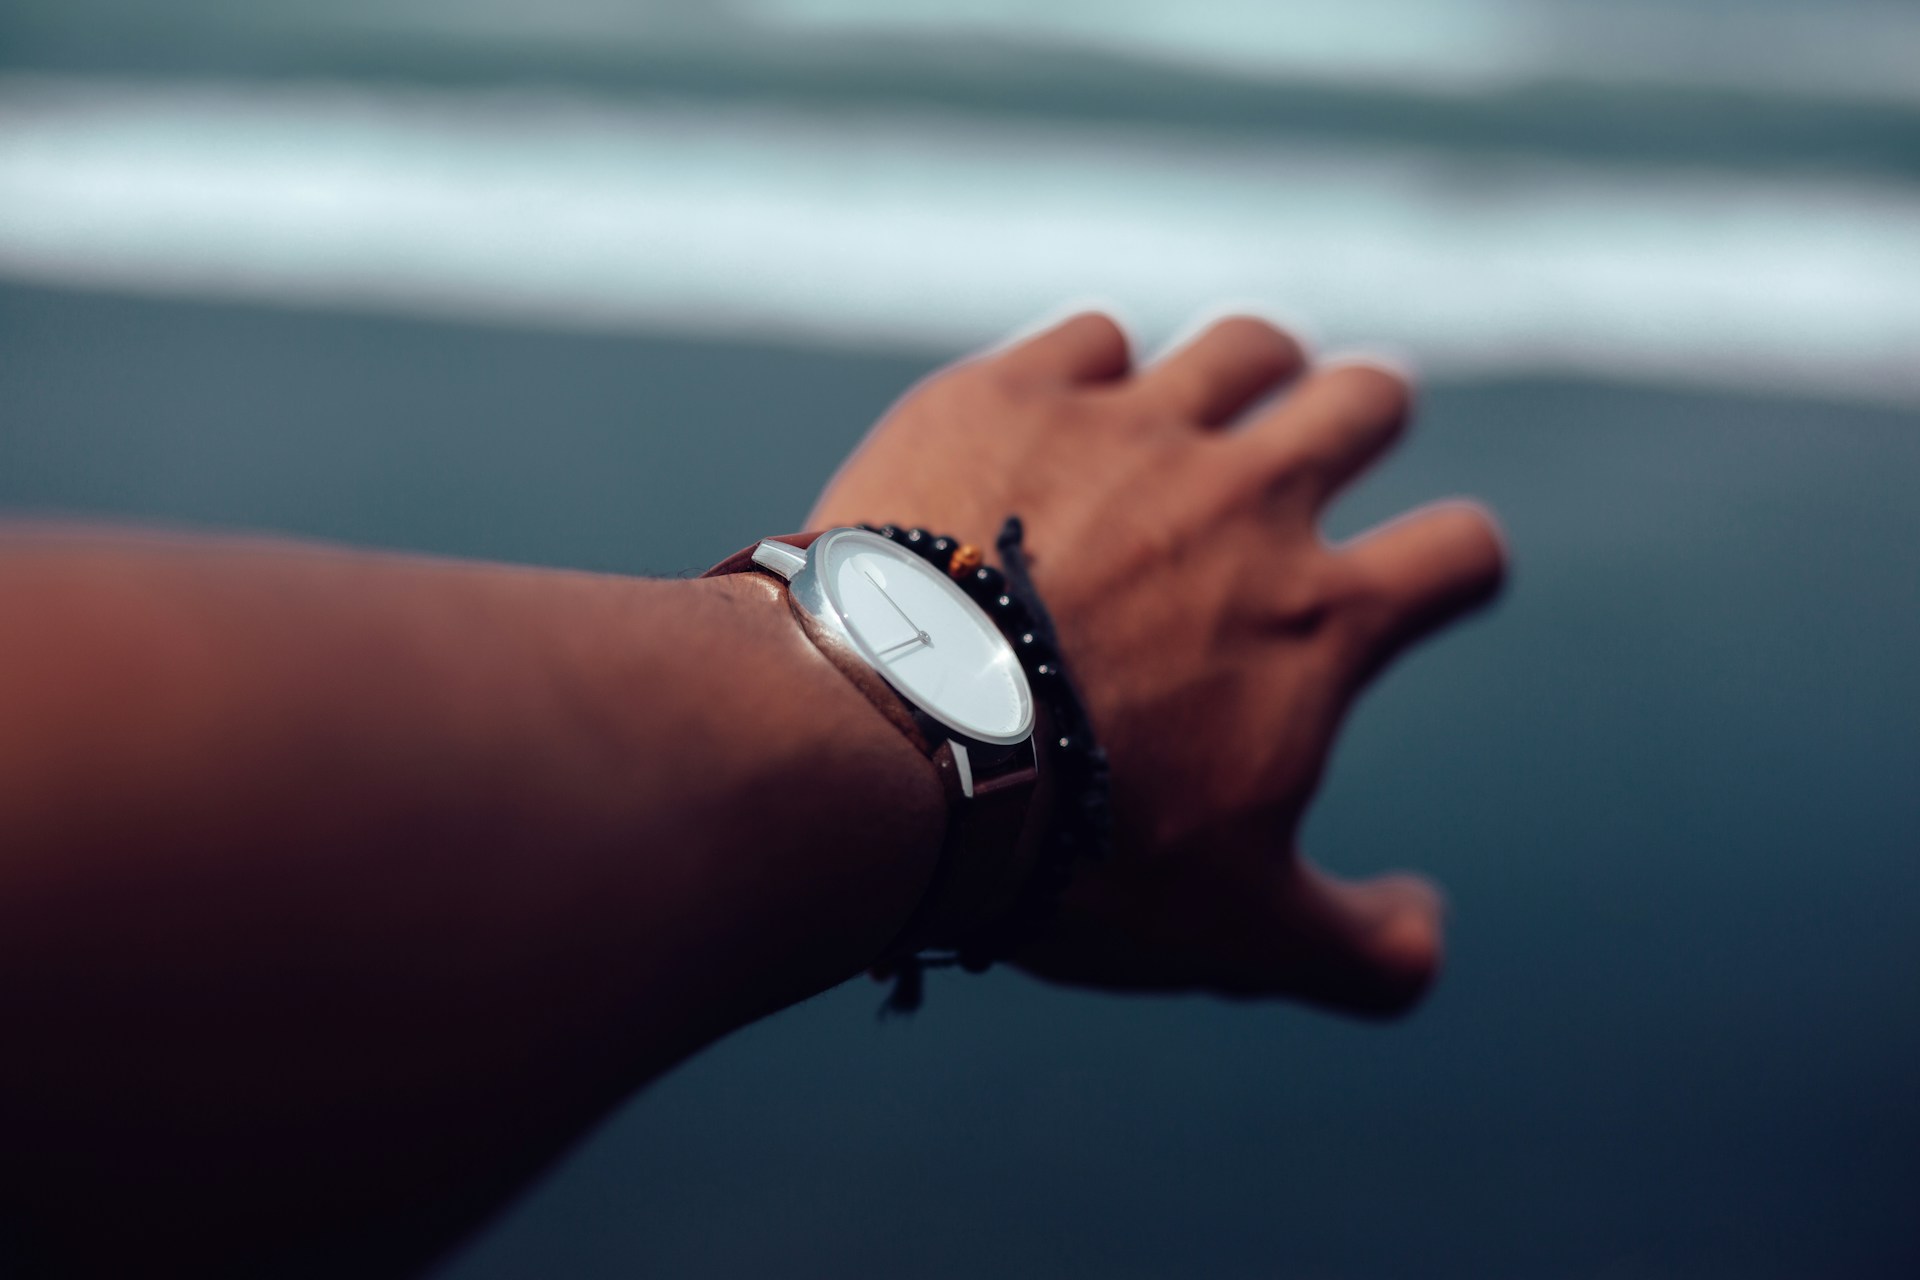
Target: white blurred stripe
<point>935,235</point>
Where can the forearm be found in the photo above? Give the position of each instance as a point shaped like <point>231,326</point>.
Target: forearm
<point>380,873</point>
<point>338,891</point>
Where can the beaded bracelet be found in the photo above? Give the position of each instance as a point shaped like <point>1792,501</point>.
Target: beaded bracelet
<point>1083,788</point>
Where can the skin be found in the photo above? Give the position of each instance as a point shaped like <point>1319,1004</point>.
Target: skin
<point>339,891</point>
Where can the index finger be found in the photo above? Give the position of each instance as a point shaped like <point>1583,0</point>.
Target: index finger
<point>1089,347</point>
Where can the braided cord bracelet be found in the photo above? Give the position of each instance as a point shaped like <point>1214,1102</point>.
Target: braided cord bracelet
<point>1083,789</point>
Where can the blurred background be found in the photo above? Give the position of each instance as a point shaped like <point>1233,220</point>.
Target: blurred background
<point>614,285</point>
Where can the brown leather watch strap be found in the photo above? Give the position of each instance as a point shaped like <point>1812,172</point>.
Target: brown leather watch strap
<point>993,837</point>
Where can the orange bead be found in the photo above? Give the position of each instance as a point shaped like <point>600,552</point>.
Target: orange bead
<point>965,559</point>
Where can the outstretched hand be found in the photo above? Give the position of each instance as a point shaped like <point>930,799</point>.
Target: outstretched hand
<point>1172,517</point>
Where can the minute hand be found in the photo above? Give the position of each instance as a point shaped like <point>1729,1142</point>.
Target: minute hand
<point>918,634</point>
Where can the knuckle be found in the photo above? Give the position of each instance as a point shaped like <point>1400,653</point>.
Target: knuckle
<point>1309,598</point>
<point>1085,345</point>
<point>1098,327</point>
<point>1275,478</point>
<point>1344,585</point>
<point>1254,339</point>
<point>1374,393</point>
<point>1362,605</point>
<point>1075,422</point>
<point>1103,338</point>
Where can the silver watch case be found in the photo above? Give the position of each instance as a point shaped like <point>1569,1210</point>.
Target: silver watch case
<point>809,593</point>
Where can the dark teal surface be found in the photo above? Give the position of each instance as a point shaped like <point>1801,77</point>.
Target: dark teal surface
<point>1672,784</point>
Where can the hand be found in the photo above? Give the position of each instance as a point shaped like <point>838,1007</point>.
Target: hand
<point>1218,640</point>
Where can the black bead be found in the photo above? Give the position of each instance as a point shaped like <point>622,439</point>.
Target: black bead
<point>1034,652</point>
<point>940,549</point>
<point>917,539</point>
<point>1073,777</point>
<point>1095,811</point>
<point>889,532</point>
<point>986,582</point>
<point>1008,611</point>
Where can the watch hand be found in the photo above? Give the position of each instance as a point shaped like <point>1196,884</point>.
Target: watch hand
<point>919,639</point>
<point>918,634</point>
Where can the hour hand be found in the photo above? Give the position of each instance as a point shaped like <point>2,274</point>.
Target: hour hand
<point>917,638</point>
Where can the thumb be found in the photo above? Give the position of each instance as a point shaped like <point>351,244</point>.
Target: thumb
<point>1368,947</point>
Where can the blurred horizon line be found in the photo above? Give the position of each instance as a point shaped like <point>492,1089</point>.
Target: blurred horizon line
<point>935,232</point>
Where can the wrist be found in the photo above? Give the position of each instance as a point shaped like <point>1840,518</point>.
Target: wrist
<point>1008,858</point>
<point>822,838</point>
<point>992,825</point>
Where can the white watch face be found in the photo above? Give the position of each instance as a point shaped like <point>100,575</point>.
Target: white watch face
<point>925,636</point>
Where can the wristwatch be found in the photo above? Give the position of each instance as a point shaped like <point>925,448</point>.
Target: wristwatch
<point>940,670</point>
